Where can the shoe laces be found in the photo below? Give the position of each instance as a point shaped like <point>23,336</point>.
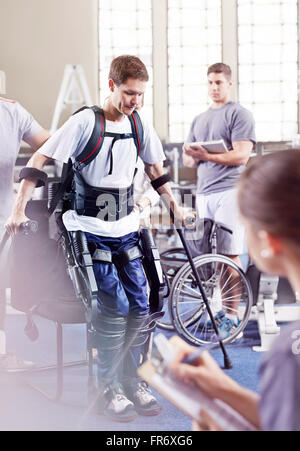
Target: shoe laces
<point>120,397</point>
<point>143,388</point>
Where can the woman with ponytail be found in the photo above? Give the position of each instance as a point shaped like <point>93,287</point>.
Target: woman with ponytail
<point>269,204</point>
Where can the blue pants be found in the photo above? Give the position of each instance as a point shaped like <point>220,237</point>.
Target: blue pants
<point>121,293</point>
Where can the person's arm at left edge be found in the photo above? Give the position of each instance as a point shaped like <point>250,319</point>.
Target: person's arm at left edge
<point>17,216</point>
<point>36,141</point>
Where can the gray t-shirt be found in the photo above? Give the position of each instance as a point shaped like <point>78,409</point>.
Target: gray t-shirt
<point>16,124</point>
<point>232,122</point>
<point>280,383</point>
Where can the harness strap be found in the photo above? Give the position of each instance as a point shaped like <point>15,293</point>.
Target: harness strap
<point>101,255</point>
<point>116,137</point>
<point>104,256</point>
<point>95,142</point>
<point>137,130</point>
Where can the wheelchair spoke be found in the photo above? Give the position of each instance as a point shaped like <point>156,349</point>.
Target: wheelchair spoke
<point>227,281</point>
<point>189,302</point>
<point>192,289</point>
<point>184,295</point>
<point>187,312</point>
<point>233,310</point>
<point>231,288</point>
<point>232,298</point>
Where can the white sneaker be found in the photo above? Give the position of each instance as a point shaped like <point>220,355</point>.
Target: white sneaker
<point>144,402</point>
<point>118,407</point>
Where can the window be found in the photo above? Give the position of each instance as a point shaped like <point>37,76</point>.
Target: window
<point>264,36</point>
<point>268,66</point>
<point>194,43</point>
<point>125,27</point>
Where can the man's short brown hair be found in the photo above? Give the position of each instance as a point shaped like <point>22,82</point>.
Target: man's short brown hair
<point>127,66</point>
<point>220,68</point>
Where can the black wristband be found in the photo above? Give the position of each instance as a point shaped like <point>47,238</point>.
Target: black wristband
<point>160,181</point>
<point>28,173</point>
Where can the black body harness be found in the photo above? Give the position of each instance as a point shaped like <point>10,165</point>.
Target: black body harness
<point>108,204</point>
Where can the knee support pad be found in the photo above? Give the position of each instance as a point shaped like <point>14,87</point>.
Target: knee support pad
<point>111,332</point>
<point>110,339</point>
<point>139,328</point>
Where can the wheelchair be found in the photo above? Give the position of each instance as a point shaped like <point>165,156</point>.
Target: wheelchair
<point>249,294</point>
<point>226,286</point>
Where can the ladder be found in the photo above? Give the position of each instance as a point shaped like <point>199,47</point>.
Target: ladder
<point>74,91</point>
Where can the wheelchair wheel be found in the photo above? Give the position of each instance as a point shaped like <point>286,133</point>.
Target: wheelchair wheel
<point>227,289</point>
<point>171,261</point>
<point>165,322</point>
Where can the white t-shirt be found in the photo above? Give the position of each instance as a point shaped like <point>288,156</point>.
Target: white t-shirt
<point>16,124</point>
<point>70,140</point>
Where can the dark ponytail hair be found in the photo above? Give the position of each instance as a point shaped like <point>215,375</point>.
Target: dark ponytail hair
<point>269,194</point>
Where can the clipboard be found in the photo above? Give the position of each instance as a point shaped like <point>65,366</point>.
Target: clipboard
<point>217,146</point>
<point>187,398</point>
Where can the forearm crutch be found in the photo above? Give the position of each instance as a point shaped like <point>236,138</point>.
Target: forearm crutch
<point>227,361</point>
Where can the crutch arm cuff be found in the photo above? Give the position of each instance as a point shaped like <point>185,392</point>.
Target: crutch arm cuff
<point>160,181</point>
<point>33,173</point>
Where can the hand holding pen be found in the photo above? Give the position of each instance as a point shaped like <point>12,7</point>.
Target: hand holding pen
<point>196,366</point>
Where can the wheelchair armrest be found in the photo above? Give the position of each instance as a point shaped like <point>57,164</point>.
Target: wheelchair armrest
<point>220,225</point>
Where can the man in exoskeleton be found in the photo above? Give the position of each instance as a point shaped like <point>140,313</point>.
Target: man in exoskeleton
<point>112,233</point>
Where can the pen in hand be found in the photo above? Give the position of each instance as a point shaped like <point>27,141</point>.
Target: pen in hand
<point>191,358</point>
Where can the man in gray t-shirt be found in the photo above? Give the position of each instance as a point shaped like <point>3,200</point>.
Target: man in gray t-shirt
<point>217,173</point>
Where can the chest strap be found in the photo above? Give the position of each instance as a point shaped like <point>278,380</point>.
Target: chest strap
<point>116,137</point>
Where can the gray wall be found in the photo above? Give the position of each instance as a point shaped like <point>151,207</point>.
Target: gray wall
<point>37,39</point>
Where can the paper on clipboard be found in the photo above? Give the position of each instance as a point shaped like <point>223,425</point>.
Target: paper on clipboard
<point>191,400</point>
<point>217,146</point>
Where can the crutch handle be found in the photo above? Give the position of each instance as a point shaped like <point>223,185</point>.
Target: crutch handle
<point>28,227</point>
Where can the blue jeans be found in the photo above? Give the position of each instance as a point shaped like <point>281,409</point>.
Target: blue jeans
<point>121,293</point>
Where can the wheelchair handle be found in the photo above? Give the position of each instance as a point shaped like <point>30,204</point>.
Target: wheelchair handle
<point>28,227</point>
